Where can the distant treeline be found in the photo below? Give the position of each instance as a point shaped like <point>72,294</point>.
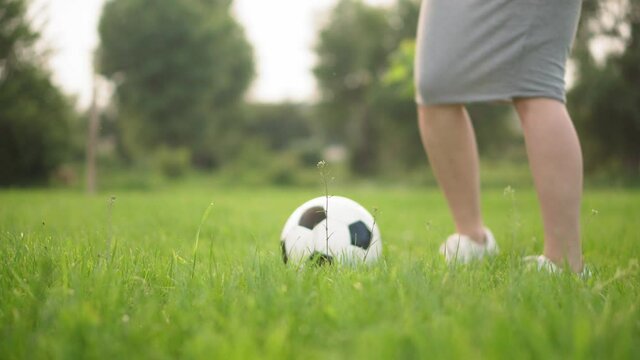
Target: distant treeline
<point>181,69</point>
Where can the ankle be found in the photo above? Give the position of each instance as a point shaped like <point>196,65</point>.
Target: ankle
<point>573,262</point>
<point>477,235</point>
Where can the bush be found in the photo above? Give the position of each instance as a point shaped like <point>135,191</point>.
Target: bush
<point>257,165</point>
<point>173,163</point>
<point>35,126</point>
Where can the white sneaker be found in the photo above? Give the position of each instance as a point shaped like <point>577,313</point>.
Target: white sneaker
<point>542,263</point>
<point>461,249</point>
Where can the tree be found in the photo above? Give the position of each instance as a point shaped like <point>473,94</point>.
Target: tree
<point>180,67</point>
<point>281,126</point>
<point>605,102</point>
<point>353,52</point>
<point>35,117</point>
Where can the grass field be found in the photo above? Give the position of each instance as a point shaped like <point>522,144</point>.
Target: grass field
<point>91,277</point>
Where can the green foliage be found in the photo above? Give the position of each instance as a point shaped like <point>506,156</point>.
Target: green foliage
<point>257,164</point>
<point>281,126</point>
<point>61,297</point>
<point>278,145</point>
<point>396,109</point>
<point>497,130</point>
<point>353,51</point>
<point>173,162</point>
<point>605,102</point>
<point>16,35</point>
<point>399,75</point>
<point>35,118</point>
<point>181,67</point>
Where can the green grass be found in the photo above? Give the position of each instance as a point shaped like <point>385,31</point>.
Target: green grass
<point>64,294</point>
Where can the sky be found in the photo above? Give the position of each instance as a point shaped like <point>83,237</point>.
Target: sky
<point>282,33</point>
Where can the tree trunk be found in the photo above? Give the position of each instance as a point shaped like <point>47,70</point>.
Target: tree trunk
<point>92,139</point>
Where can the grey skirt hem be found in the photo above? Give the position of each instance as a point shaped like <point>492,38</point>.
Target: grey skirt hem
<point>494,97</point>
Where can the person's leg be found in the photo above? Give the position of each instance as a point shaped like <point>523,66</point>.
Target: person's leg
<point>555,159</point>
<point>450,143</point>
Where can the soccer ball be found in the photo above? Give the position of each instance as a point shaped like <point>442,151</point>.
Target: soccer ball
<point>331,229</point>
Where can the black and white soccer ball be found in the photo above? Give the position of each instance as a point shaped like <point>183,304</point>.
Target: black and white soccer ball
<point>331,229</point>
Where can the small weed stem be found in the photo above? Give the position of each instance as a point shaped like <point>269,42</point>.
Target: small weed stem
<point>108,251</point>
<point>195,246</point>
<point>322,166</point>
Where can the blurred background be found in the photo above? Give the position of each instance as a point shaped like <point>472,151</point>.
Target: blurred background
<point>109,94</point>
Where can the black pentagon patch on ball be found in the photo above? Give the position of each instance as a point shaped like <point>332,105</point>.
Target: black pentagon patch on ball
<point>285,258</point>
<point>360,235</point>
<point>312,217</point>
<point>318,258</point>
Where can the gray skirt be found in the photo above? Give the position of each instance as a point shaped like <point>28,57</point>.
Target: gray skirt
<point>491,50</point>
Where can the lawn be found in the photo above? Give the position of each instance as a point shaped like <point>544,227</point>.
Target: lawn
<point>103,277</point>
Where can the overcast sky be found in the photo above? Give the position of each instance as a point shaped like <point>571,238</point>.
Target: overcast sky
<point>282,33</point>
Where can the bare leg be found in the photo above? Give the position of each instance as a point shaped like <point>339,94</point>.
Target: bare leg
<point>450,143</point>
<point>555,159</point>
